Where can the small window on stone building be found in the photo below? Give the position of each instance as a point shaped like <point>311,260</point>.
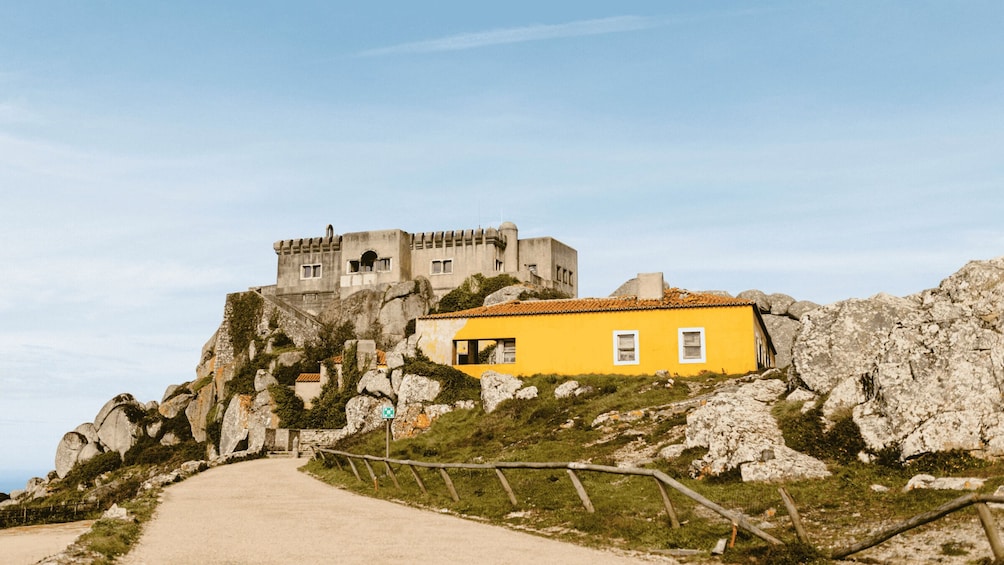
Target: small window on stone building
<point>532,268</point>
<point>498,266</point>
<point>383,264</point>
<point>310,272</point>
<point>626,347</point>
<point>353,266</point>
<point>442,267</point>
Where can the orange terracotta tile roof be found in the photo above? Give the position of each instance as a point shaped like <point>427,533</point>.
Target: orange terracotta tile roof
<point>309,378</point>
<point>381,358</point>
<point>672,298</point>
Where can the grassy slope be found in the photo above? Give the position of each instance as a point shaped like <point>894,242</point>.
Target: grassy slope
<point>629,512</point>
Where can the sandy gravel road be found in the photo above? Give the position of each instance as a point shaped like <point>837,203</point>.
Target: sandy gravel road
<point>27,544</point>
<point>265,511</point>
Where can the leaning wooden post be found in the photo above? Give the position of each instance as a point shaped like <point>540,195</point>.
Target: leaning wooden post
<point>918,520</point>
<point>796,518</point>
<point>376,484</point>
<point>674,521</point>
<point>581,491</point>
<point>418,479</point>
<point>449,484</point>
<point>393,477</point>
<point>337,462</point>
<point>354,470</point>
<point>990,527</point>
<point>506,487</point>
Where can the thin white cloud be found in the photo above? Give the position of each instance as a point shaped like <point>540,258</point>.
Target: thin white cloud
<point>536,32</point>
<point>11,113</point>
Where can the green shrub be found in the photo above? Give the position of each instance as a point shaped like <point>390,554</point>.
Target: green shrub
<point>280,339</point>
<point>792,553</point>
<point>329,343</point>
<point>179,426</point>
<point>543,294</point>
<point>472,292</point>
<point>245,310</point>
<point>288,407</point>
<point>85,473</point>
<point>806,432</point>
<point>945,462</point>
<point>148,451</point>
<point>329,407</point>
<point>198,385</point>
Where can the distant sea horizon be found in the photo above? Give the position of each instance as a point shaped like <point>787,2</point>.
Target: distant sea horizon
<point>16,479</point>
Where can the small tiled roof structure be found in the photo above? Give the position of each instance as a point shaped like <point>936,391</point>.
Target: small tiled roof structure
<point>309,378</point>
<point>672,298</point>
<point>381,358</point>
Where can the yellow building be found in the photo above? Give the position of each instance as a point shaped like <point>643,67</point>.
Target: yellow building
<point>684,333</point>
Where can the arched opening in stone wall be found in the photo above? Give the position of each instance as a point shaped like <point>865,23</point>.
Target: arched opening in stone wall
<point>366,261</point>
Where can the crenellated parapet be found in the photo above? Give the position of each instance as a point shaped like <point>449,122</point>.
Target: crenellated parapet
<point>457,238</point>
<point>308,245</point>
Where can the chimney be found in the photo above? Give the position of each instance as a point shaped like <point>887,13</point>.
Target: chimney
<point>650,286</point>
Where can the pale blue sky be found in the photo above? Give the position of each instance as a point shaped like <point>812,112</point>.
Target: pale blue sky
<point>151,153</point>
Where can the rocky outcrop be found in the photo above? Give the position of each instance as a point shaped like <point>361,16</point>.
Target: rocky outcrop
<point>198,410</point>
<point>405,348</point>
<point>376,382</point>
<point>387,310</point>
<point>922,373</point>
<point>403,302</point>
<point>778,304</point>
<point>506,294</point>
<point>364,414</point>
<point>416,389</point>
<point>234,431</point>
<point>739,431</point>
<point>245,421</point>
<point>783,331</point>
<point>263,379</point>
<point>496,388</point>
<point>526,393</point>
<point>415,411</point>
<point>115,429</point>
<point>943,483</point>
<point>781,315</point>
<point>68,451</point>
<point>175,405</point>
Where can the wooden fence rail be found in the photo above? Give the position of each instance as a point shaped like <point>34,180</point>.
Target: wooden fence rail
<point>53,514</point>
<point>977,500</point>
<point>662,480</point>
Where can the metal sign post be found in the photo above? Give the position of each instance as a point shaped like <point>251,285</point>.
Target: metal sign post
<point>388,416</point>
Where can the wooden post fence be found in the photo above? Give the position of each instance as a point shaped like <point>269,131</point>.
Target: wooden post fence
<point>664,480</point>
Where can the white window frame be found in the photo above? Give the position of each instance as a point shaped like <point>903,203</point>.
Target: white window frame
<point>314,268</point>
<point>637,347</point>
<point>704,347</point>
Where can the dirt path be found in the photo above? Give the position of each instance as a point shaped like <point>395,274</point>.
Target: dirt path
<point>27,544</point>
<point>266,511</point>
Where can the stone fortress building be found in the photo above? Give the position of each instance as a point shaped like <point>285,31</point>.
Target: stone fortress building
<point>313,272</point>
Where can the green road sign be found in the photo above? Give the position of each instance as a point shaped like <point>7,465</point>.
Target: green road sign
<point>388,413</point>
